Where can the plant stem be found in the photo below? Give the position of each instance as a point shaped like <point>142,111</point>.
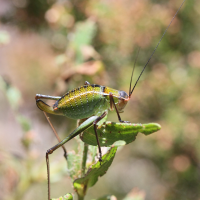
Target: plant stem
<point>85,152</point>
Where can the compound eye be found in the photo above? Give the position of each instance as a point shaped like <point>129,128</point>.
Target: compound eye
<point>123,94</point>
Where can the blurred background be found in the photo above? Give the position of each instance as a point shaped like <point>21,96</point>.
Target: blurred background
<point>49,47</point>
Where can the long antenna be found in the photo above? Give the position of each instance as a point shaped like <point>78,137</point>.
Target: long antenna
<point>133,72</point>
<point>154,50</point>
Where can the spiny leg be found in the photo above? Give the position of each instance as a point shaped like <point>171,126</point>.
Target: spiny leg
<point>47,158</point>
<point>56,134</point>
<point>112,103</point>
<point>45,107</point>
<point>95,130</point>
<point>86,124</point>
<point>48,176</point>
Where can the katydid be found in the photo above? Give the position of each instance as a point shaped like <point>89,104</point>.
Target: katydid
<point>91,102</point>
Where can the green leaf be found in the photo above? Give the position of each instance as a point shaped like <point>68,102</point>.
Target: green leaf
<point>91,177</point>
<point>110,132</point>
<point>84,33</point>
<point>83,36</point>
<point>74,164</point>
<point>150,128</point>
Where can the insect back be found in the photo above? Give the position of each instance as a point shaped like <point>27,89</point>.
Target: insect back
<point>82,102</point>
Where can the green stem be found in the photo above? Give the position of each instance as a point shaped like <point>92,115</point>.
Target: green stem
<point>85,152</point>
<point>80,197</point>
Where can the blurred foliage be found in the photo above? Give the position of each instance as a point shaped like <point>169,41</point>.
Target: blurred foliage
<point>65,197</point>
<point>49,47</point>
<point>94,172</point>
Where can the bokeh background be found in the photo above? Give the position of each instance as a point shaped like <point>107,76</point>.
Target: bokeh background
<point>50,47</point>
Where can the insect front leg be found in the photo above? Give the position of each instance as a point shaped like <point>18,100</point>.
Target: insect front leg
<point>112,103</point>
<point>95,130</point>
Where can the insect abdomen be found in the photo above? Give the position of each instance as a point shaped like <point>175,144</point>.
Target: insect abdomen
<point>82,102</point>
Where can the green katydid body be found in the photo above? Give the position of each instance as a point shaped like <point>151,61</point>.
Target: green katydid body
<point>93,102</point>
<point>85,101</point>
